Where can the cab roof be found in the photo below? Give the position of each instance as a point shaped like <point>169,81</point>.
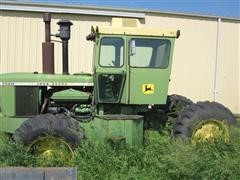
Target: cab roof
<point>130,26</point>
<point>136,31</point>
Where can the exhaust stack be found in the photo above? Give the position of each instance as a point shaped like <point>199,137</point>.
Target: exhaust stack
<point>64,35</point>
<point>47,47</point>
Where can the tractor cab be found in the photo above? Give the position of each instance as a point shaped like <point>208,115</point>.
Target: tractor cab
<point>132,65</point>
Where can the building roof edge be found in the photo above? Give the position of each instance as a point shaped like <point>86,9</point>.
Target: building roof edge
<point>96,10</point>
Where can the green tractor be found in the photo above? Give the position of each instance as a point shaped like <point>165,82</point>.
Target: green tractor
<point>126,95</point>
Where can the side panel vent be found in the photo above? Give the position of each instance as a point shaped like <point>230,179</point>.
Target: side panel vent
<point>27,99</point>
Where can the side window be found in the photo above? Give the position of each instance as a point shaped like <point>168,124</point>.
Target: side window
<point>150,53</point>
<point>111,52</point>
<point>162,55</point>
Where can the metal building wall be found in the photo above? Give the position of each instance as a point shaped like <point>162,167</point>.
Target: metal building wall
<point>194,56</point>
<point>229,65</point>
<point>22,35</point>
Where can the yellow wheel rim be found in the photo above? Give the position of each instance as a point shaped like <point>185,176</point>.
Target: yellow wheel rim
<point>49,148</point>
<point>209,131</point>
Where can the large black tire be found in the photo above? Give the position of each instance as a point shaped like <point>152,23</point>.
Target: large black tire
<point>43,125</point>
<point>176,100</point>
<point>194,115</point>
<point>175,104</point>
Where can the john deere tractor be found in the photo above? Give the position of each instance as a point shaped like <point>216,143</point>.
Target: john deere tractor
<point>126,95</point>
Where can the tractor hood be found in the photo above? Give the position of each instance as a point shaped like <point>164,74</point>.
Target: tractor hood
<point>32,79</point>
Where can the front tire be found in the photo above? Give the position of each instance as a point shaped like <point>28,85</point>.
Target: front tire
<point>204,121</point>
<point>50,136</point>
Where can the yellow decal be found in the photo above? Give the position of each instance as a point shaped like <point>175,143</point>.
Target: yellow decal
<point>148,88</point>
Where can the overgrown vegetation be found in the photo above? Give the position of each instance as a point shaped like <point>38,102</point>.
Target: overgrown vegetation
<point>161,158</point>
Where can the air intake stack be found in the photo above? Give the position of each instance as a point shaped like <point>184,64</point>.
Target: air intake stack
<point>64,35</point>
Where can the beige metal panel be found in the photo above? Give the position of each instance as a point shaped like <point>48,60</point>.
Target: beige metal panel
<point>23,34</point>
<point>3,46</point>
<point>20,42</point>
<point>238,84</point>
<point>228,85</point>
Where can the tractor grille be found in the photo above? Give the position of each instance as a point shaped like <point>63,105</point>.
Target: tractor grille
<point>26,101</point>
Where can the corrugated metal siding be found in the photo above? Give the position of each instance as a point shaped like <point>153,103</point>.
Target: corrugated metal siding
<point>229,66</point>
<point>21,38</point>
<point>194,57</point>
<point>23,33</point>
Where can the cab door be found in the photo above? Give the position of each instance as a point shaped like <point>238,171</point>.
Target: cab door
<point>110,69</point>
<point>149,70</point>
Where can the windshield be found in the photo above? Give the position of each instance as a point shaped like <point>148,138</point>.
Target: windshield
<point>152,53</point>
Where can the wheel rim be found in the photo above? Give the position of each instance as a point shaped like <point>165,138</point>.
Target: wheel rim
<point>49,148</point>
<point>209,131</point>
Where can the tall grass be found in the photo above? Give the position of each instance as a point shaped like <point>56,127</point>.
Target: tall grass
<point>161,158</point>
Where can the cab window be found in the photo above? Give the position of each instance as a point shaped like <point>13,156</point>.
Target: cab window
<point>152,53</point>
<point>111,52</point>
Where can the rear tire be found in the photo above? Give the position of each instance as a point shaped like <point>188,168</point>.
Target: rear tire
<point>176,103</point>
<point>204,121</point>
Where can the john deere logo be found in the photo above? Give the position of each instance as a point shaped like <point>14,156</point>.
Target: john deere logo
<point>148,88</point>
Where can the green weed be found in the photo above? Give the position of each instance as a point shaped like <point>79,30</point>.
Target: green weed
<point>161,158</point>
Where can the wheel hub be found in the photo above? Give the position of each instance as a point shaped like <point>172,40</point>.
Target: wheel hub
<point>209,131</point>
<point>48,148</point>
